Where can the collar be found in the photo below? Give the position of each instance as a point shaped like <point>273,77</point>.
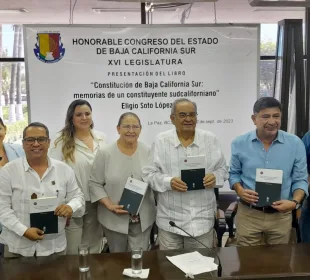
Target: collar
<point>177,140</point>
<point>10,151</point>
<point>50,164</point>
<point>279,138</point>
<point>97,137</point>
<point>6,147</point>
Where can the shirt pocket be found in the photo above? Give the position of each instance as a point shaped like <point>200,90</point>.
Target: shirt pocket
<point>19,194</point>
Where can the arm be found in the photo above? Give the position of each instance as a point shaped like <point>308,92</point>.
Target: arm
<point>299,195</point>
<point>306,141</point>
<point>299,172</point>
<point>75,197</point>
<point>299,181</point>
<point>154,174</point>
<point>7,214</point>
<point>235,172</point>
<point>235,169</point>
<point>97,178</point>
<point>97,182</point>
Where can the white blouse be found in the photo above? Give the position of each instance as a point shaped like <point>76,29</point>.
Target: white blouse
<point>84,158</point>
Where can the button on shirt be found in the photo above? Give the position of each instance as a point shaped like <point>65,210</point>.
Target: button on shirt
<point>286,153</point>
<point>192,210</point>
<point>18,181</point>
<point>84,158</point>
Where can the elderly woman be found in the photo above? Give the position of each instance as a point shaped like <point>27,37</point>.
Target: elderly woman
<point>77,145</point>
<point>8,152</point>
<point>111,169</point>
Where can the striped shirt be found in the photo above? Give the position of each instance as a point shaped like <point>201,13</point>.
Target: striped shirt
<point>193,210</point>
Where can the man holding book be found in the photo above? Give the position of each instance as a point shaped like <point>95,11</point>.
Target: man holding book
<point>185,165</point>
<point>268,171</point>
<point>37,195</point>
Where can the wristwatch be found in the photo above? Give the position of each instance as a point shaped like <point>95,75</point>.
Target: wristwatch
<point>298,205</point>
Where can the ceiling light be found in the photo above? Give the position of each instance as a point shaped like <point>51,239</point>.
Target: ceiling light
<point>279,9</point>
<point>115,10</point>
<point>279,3</point>
<point>129,10</point>
<point>162,1</point>
<point>13,11</point>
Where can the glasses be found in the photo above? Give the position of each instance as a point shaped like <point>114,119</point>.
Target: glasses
<point>32,140</point>
<point>192,115</point>
<point>133,127</point>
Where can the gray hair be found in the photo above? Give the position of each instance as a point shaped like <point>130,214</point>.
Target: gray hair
<point>126,115</point>
<point>179,100</point>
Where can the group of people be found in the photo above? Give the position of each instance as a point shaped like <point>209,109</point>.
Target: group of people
<point>88,176</point>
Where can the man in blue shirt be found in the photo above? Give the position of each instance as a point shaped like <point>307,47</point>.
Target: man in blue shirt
<point>304,221</point>
<point>267,147</point>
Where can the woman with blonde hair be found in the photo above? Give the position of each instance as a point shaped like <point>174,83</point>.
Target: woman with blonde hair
<point>77,145</point>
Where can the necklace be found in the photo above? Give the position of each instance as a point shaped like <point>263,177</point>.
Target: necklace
<point>83,140</point>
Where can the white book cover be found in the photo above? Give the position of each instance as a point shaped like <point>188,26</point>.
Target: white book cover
<point>44,204</point>
<point>274,176</point>
<point>42,214</point>
<point>192,162</point>
<point>133,195</point>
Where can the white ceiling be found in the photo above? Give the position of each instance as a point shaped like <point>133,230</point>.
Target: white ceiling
<point>57,11</point>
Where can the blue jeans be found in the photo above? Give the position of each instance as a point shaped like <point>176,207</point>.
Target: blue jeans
<point>304,222</point>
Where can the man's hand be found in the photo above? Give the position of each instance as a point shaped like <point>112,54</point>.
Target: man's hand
<point>34,234</point>
<point>178,185</point>
<point>284,205</point>
<point>117,209</point>
<point>209,180</point>
<point>63,210</point>
<point>248,196</point>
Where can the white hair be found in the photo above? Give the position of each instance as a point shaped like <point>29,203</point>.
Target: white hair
<point>177,101</point>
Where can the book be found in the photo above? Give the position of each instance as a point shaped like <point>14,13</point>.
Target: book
<point>193,171</point>
<point>42,214</point>
<point>133,194</point>
<point>268,186</point>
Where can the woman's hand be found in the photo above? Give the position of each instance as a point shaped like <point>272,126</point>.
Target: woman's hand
<point>117,209</point>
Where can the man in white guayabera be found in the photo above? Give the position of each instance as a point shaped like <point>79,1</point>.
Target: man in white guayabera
<point>191,210</point>
<point>50,182</point>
